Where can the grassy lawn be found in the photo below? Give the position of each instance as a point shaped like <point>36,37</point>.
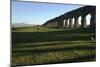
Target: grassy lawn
<point>50,45</point>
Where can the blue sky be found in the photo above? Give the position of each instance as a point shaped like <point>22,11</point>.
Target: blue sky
<point>38,13</point>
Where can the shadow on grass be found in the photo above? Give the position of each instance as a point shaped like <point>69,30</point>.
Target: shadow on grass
<point>29,37</point>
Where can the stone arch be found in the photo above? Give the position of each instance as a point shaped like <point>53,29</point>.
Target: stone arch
<point>79,20</point>
<point>68,21</point>
<point>93,20</point>
<point>88,17</point>
<point>64,23</point>
<point>83,21</point>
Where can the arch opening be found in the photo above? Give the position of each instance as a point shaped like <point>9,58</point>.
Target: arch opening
<point>88,17</point>
<point>79,20</point>
<point>64,22</point>
<point>73,21</point>
<point>68,22</point>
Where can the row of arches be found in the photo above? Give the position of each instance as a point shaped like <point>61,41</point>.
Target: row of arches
<point>81,17</point>
<point>77,22</point>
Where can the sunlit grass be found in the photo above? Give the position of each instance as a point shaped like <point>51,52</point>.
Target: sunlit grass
<point>51,57</point>
<point>51,45</point>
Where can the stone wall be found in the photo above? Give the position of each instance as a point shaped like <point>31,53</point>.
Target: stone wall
<point>62,21</point>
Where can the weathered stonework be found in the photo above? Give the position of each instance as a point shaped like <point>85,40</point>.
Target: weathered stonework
<point>62,21</point>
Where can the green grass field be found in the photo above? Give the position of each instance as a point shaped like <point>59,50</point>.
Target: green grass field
<point>50,45</point>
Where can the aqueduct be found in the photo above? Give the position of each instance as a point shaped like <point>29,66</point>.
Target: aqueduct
<point>66,20</point>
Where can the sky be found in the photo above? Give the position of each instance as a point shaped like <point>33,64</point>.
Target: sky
<point>38,13</point>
